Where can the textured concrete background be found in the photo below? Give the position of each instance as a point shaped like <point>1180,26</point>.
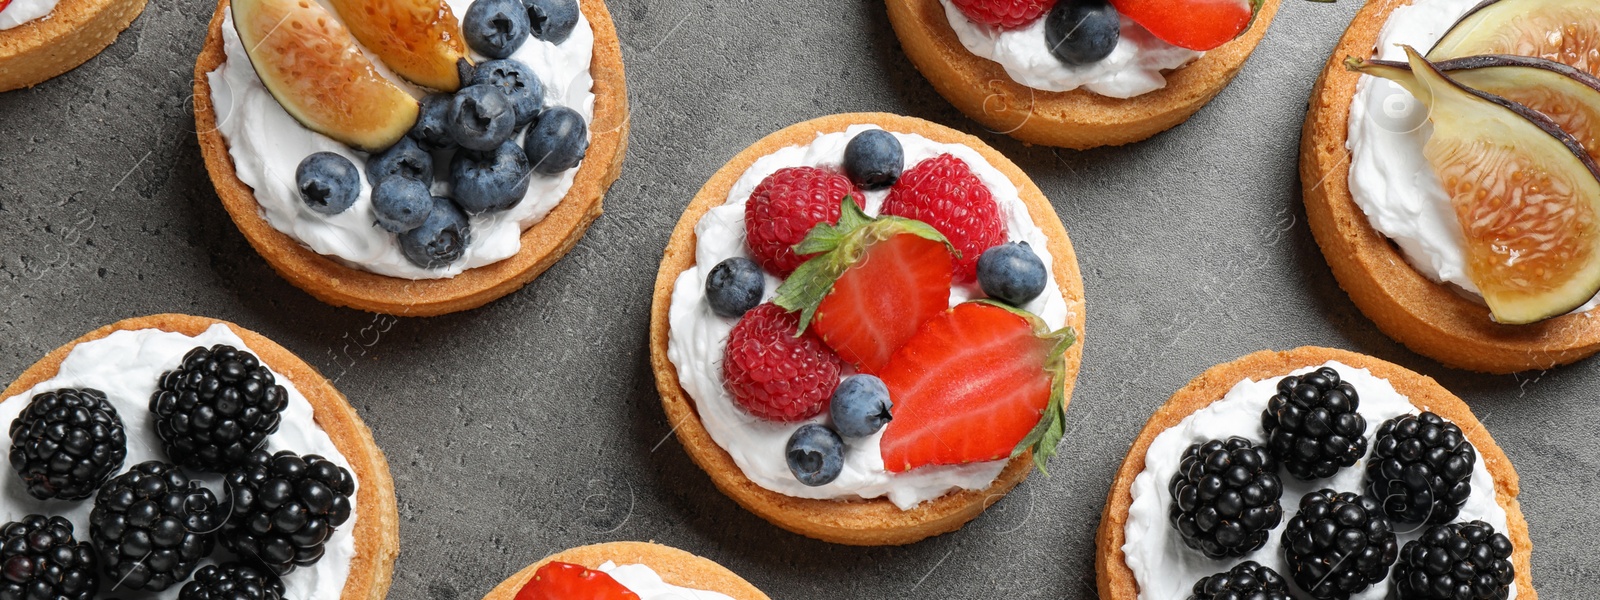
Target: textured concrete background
<point>533,425</point>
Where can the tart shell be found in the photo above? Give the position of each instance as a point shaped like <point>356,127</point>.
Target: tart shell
<point>1111,568</point>
<point>675,567</point>
<point>542,244</point>
<point>377,531</point>
<point>1077,119</point>
<point>866,522</point>
<point>1430,318</point>
<point>74,32</point>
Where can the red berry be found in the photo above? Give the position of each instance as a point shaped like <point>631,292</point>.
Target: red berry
<point>1193,24</point>
<point>567,581</point>
<point>879,302</point>
<point>943,192</point>
<point>1005,14</point>
<point>774,373</point>
<point>783,209</point>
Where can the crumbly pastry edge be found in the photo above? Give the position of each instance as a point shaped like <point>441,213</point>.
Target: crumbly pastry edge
<point>675,567</point>
<point>74,32</point>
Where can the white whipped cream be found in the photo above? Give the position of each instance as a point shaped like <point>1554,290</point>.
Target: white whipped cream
<point>698,338</point>
<point>1166,569</point>
<point>1135,67</point>
<point>267,144</point>
<point>127,365</point>
<point>23,11</point>
<point>642,580</point>
<point>1391,180</point>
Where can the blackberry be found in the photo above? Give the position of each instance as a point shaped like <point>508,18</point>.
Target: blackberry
<point>1421,469</point>
<point>1338,544</point>
<point>152,526</point>
<point>285,508</point>
<point>216,407</point>
<point>1312,425</point>
<point>232,581</point>
<point>1459,561</point>
<point>40,560</point>
<point>1225,497</point>
<point>1246,581</point>
<point>66,443</point>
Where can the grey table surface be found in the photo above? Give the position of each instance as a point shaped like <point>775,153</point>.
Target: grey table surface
<point>532,424</point>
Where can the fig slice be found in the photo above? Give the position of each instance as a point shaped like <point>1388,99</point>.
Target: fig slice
<point>1526,194</point>
<point>1565,31</point>
<point>312,66</point>
<point>419,40</point>
<point>1568,96</point>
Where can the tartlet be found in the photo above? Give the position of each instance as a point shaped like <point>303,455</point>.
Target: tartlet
<point>1116,580</point>
<point>377,527</point>
<point>1430,318</point>
<point>1077,119</point>
<point>675,566</point>
<point>74,32</point>
<point>541,245</point>
<point>865,522</point>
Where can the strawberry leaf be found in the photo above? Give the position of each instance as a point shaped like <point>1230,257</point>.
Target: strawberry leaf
<point>1046,435</point>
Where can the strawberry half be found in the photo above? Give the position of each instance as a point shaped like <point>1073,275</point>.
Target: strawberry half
<point>980,382</point>
<point>1193,24</point>
<point>875,283</point>
<point>567,581</point>
<point>4,4</point>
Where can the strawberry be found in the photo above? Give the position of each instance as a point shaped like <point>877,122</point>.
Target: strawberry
<point>874,283</point>
<point>785,206</point>
<point>1193,24</point>
<point>774,371</point>
<point>4,4</point>
<point>567,581</point>
<point>943,192</point>
<point>980,382</point>
<point>1005,14</point>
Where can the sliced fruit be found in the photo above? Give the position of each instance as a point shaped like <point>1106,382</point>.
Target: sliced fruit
<point>4,4</point>
<point>567,581</point>
<point>1193,24</point>
<point>1561,92</point>
<point>1526,194</point>
<point>419,39</point>
<point>1565,31</point>
<point>980,382</point>
<point>874,283</point>
<point>312,66</point>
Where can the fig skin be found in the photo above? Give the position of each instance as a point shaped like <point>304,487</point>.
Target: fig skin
<point>1485,28</point>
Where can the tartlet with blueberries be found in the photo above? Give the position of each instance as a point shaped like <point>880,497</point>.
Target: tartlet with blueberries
<point>392,157</point>
<point>1314,473</point>
<point>175,456</point>
<point>625,571</point>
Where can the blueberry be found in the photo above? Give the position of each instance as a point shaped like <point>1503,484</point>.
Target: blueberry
<point>329,183</point>
<point>401,204</point>
<point>432,130</point>
<point>873,159</point>
<point>489,181</point>
<point>405,158</point>
<point>1011,273</point>
<point>1082,32</point>
<point>735,286</point>
<point>552,20</point>
<point>860,406</point>
<point>495,28</point>
<point>517,82</point>
<point>481,117</point>
<point>815,454</point>
<point>442,238</point>
<point>557,141</point>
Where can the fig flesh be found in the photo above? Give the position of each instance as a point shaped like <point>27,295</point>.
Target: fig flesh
<point>419,40</point>
<point>1526,194</point>
<point>1564,31</point>
<point>312,66</point>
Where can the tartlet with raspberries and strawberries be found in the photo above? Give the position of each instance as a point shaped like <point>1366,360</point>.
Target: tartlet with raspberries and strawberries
<point>625,571</point>
<point>1080,73</point>
<point>866,328</point>
<point>388,156</point>
<point>40,39</point>
<point>1314,473</point>
<point>175,456</point>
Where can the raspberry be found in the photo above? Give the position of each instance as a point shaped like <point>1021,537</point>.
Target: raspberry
<point>783,209</point>
<point>775,374</point>
<point>943,192</point>
<point>1005,14</point>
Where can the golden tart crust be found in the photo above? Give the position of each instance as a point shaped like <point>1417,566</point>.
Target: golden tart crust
<point>74,32</point>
